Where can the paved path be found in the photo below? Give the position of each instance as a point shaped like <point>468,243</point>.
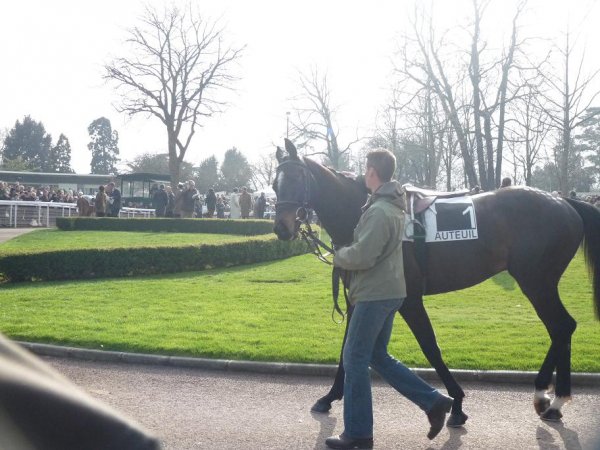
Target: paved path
<point>199,409</point>
<point>9,233</point>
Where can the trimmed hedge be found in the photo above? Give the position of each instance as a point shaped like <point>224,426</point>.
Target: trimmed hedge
<point>221,226</point>
<point>106,263</point>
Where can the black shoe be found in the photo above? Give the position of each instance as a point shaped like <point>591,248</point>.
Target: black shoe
<point>437,415</point>
<point>342,441</point>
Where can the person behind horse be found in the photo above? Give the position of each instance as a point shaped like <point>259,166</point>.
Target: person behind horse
<point>101,202</point>
<point>377,290</point>
<point>245,203</point>
<point>506,182</point>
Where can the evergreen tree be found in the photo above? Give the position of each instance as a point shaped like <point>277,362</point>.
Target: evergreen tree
<point>589,143</point>
<point>207,175</point>
<point>235,170</point>
<point>104,146</point>
<point>28,142</point>
<point>59,159</point>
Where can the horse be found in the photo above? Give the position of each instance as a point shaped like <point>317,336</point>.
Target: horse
<point>84,208</point>
<point>527,232</point>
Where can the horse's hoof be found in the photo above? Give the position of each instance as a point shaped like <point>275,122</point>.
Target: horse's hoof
<point>551,415</point>
<point>321,407</point>
<point>541,405</point>
<point>456,420</point>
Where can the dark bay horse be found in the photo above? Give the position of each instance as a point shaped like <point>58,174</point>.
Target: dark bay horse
<point>525,231</point>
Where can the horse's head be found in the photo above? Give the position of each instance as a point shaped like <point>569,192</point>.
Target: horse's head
<point>292,186</point>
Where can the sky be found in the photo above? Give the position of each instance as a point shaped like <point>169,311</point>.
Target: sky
<point>53,53</point>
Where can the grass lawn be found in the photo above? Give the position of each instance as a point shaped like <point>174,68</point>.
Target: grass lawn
<point>281,311</point>
<point>54,239</point>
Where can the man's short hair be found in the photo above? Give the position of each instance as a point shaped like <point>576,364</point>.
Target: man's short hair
<point>384,163</point>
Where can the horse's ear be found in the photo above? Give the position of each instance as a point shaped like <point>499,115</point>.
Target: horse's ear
<point>279,155</point>
<point>291,148</point>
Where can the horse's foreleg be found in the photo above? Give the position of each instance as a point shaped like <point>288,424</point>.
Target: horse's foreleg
<point>337,390</point>
<point>416,318</point>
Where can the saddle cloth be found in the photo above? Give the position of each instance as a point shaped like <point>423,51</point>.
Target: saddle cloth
<point>445,216</point>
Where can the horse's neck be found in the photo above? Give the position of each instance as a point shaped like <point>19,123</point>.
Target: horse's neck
<point>337,205</point>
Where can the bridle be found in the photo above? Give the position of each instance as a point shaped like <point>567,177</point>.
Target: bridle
<point>302,214</point>
<point>305,203</point>
<point>308,235</point>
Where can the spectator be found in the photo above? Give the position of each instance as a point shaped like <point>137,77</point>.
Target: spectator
<point>114,200</point>
<point>169,212</point>
<point>260,206</point>
<point>234,205</point>
<point>188,200</point>
<point>211,203</point>
<point>220,208</point>
<point>573,194</point>
<point>160,201</point>
<point>101,202</point>
<point>198,202</point>
<point>178,200</point>
<point>245,203</point>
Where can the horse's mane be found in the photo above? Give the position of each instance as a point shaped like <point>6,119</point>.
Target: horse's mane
<point>345,178</point>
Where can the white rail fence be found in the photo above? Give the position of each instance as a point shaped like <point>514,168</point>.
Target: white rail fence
<point>19,214</point>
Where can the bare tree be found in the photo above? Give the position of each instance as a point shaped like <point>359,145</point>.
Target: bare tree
<point>527,133</point>
<point>567,103</point>
<point>264,170</point>
<point>423,65</point>
<point>315,120</point>
<point>178,68</point>
<point>479,120</point>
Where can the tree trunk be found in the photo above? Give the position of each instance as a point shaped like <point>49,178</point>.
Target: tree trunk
<point>489,184</point>
<point>174,164</point>
<point>475,75</point>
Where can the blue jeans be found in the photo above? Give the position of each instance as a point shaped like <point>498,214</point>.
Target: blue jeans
<point>366,345</point>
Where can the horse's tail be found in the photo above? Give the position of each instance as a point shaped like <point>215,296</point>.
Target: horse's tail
<point>591,244</point>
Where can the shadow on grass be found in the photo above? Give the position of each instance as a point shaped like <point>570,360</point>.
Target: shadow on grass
<point>505,281</point>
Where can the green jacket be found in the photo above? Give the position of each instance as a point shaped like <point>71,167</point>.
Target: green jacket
<point>375,256</point>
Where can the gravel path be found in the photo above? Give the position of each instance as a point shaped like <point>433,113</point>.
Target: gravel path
<point>199,409</point>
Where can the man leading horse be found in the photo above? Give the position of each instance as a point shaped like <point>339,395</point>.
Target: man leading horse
<point>377,290</point>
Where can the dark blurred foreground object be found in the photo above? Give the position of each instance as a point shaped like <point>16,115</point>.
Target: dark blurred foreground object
<point>41,409</point>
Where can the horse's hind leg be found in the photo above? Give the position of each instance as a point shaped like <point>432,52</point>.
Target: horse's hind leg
<point>416,317</point>
<point>336,392</point>
<point>560,326</point>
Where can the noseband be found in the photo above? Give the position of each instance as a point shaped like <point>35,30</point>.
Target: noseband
<point>304,205</point>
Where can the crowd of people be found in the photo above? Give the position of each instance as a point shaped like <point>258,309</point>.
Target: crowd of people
<point>20,192</point>
<point>186,202</point>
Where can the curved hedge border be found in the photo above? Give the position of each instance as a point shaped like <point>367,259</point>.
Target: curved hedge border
<point>106,263</point>
<point>221,226</point>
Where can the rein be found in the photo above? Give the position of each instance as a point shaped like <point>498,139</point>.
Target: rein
<point>315,244</point>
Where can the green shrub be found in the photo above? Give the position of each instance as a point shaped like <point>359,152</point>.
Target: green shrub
<point>221,226</point>
<point>120,262</point>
